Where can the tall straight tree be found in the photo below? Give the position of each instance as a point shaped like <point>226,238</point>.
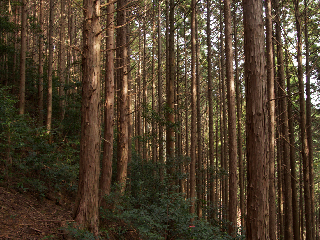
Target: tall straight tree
<point>239,116</point>
<point>122,75</point>
<point>170,86</point>
<point>106,163</point>
<point>308,116</point>
<point>40,70</point>
<point>305,151</point>
<point>256,117</point>
<point>22,88</point>
<point>193,109</point>
<point>62,60</point>
<point>50,66</point>
<point>232,213</point>
<point>86,206</point>
<point>271,105</point>
<point>283,118</point>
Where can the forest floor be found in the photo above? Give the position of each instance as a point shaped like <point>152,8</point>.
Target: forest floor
<point>23,216</point>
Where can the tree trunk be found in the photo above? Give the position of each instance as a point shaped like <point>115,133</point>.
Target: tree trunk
<point>256,117</point>
<point>170,90</point>
<point>239,116</point>
<point>305,148</point>
<point>283,120</point>
<point>50,66</point>
<point>106,163</point>
<point>40,70</point>
<point>193,108</point>
<point>22,88</point>
<point>232,213</point>
<point>62,60</point>
<point>122,154</point>
<point>309,120</point>
<point>271,126</point>
<point>86,206</point>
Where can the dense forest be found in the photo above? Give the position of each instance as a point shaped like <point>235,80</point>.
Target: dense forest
<point>173,119</point>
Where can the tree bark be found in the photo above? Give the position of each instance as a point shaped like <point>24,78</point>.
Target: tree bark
<point>271,126</point>
<point>193,108</point>
<point>86,206</point>
<point>62,60</point>
<point>40,70</point>
<point>122,154</point>
<point>50,66</point>
<point>106,163</point>
<point>256,116</point>
<point>305,148</point>
<point>22,88</point>
<point>283,120</point>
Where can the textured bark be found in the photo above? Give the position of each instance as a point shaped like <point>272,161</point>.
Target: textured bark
<point>40,69</point>
<point>210,105</point>
<point>233,182</point>
<point>62,60</point>
<point>305,148</point>
<point>170,144</point>
<point>283,120</point>
<point>295,206</point>
<point>86,206</point>
<point>199,163</point>
<point>193,108</point>
<point>239,116</point>
<point>106,163</point>
<point>122,154</point>
<point>271,105</point>
<point>160,100</point>
<point>256,117</point>
<point>22,87</point>
<point>50,66</point>
<point>309,120</point>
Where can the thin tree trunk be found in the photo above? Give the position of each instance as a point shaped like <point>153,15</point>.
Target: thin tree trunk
<point>295,206</point>
<point>86,211</point>
<point>106,163</point>
<point>122,154</point>
<point>50,66</point>
<point>22,88</point>
<point>309,120</point>
<point>271,103</point>
<point>283,118</point>
<point>62,60</point>
<point>193,108</point>
<point>233,183</point>
<point>210,103</point>
<point>170,144</point>
<point>256,117</point>
<point>40,70</point>
<point>305,148</point>
<point>160,101</point>
<point>239,116</point>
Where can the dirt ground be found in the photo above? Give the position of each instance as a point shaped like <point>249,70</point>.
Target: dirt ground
<point>22,216</point>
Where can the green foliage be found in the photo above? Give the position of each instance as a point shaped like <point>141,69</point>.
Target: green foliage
<point>156,210</point>
<point>43,162</point>
<point>78,233</point>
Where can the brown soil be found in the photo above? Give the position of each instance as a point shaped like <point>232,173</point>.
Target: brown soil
<point>22,216</point>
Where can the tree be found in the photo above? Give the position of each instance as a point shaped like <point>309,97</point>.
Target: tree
<point>106,164</point>
<point>193,108</point>
<point>50,66</point>
<point>256,117</point>
<point>22,89</point>
<point>40,70</point>
<point>305,150</point>
<point>122,55</point>
<point>271,126</point>
<point>86,206</point>
<point>283,124</point>
<point>232,214</point>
